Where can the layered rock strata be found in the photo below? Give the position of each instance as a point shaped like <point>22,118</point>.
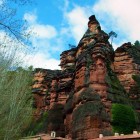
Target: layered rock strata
<point>89,105</point>
<point>51,90</point>
<point>127,64</point>
<point>79,97</point>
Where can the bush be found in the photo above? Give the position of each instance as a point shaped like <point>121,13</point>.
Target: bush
<point>123,119</point>
<point>52,119</point>
<point>37,126</point>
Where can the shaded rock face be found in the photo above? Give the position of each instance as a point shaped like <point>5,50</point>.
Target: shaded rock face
<point>79,97</point>
<point>67,59</point>
<point>51,90</point>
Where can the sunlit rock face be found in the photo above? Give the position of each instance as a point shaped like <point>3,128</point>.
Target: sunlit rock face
<point>39,89</point>
<point>90,109</point>
<point>127,65</point>
<point>79,97</point>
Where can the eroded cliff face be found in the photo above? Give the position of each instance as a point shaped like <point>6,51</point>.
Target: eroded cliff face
<point>78,98</point>
<point>126,66</point>
<point>89,114</point>
<point>51,90</point>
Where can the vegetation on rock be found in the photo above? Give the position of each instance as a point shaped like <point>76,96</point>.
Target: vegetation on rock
<point>88,85</point>
<point>117,93</point>
<point>95,109</point>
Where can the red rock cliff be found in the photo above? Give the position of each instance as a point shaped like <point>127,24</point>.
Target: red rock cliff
<point>78,98</point>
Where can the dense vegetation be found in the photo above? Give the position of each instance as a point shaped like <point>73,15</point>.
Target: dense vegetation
<point>51,119</point>
<point>37,125</point>
<point>16,102</point>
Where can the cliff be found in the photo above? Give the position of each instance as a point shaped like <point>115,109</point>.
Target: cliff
<point>79,97</point>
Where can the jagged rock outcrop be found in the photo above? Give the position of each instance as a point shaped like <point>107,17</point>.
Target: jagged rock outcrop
<point>79,97</point>
<point>68,59</point>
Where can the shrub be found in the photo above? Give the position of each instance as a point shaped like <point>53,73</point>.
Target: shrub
<point>36,126</point>
<point>123,119</point>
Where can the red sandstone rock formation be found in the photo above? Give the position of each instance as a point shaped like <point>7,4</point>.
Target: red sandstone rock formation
<point>68,59</point>
<point>126,66</point>
<point>90,89</point>
<point>79,98</point>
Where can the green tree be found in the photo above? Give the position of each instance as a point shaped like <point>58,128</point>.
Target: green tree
<point>112,34</point>
<point>71,46</point>
<point>137,80</point>
<point>137,43</point>
<point>15,86</point>
<point>16,103</point>
<point>9,24</point>
<point>123,119</point>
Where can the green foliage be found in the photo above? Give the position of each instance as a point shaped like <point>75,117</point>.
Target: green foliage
<point>137,43</point>
<point>16,102</point>
<point>89,95</point>
<point>69,103</point>
<point>138,120</point>
<point>134,51</point>
<point>106,132</point>
<point>88,60</point>
<point>135,92</point>
<point>72,46</point>
<point>86,95</point>
<point>123,119</point>
<point>112,34</point>
<point>14,29</point>
<point>55,116</point>
<point>52,118</point>
<point>117,93</point>
<point>47,92</point>
<point>112,79</point>
<point>137,79</point>
<point>37,126</point>
<point>15,86</point>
